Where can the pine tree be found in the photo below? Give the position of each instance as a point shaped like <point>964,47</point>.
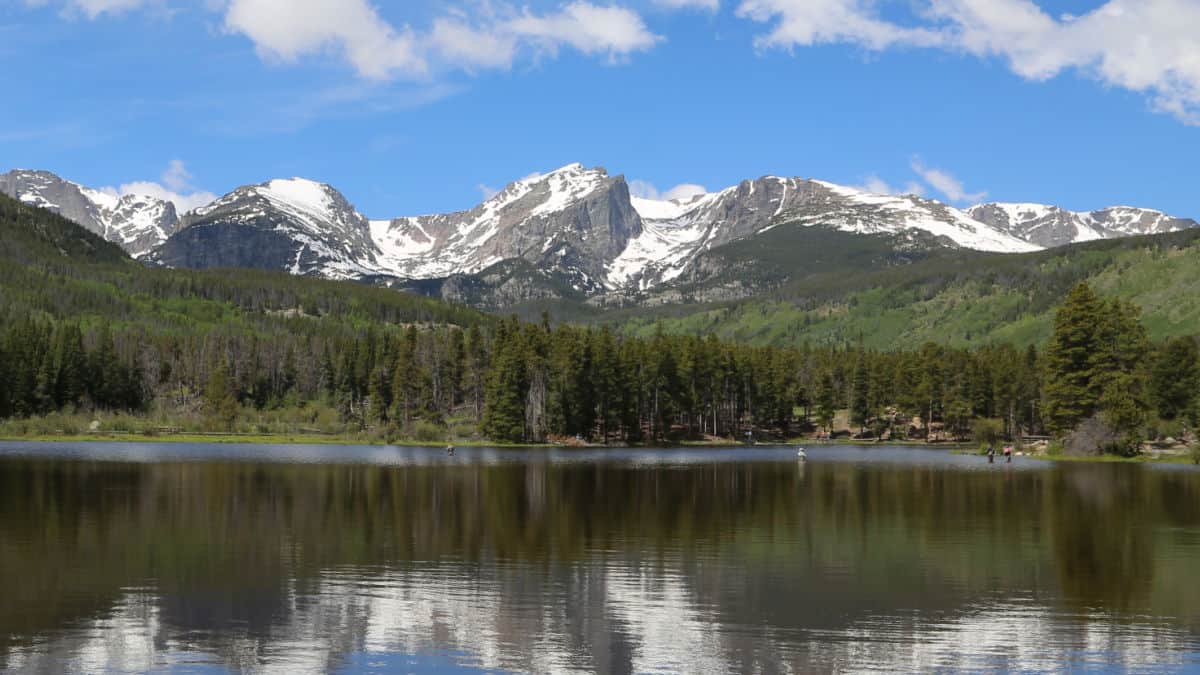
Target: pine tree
<point>826,402</point>
<point>506,387</point>
<point>1073,384</point>
<point>860,397</point>
<point>474,370</point>
<point>1175,379</point>
<point>220,404</point>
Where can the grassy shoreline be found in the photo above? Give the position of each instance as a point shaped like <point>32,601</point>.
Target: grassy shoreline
<point>336,439</point>
<point>1098,459</point>
<point>343,439</point>
<point>254,439</point>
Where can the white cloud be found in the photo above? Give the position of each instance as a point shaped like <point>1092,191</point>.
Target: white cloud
<point>877,185</point>
<point>177,177</point>
<point>949,186</point>
<point>803,23</point>
<point>288,29</point>
<point>1147,46</point>
<point>647,190</point>
<point>353,30</point>
<point>615,32</point>
<point>709,5</point>
<point>94,8</point>
<point>487,191</point>
<point>175,186</point>
<point>589,28</point>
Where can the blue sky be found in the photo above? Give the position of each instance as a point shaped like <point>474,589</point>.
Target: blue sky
<point>411,107</point>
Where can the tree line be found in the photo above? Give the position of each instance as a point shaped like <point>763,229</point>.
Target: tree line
<point>515,381</point>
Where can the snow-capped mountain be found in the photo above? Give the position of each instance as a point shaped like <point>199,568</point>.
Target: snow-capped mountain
<point>571,221</point>
<point>1050,226</point>
<point>295,225</point>
<point>676,231</point>
<point>136,222</point>
<point>572,228</point>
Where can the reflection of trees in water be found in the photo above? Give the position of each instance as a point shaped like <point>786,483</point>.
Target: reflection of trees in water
<point>775,547</point>
<point>1103,535</point>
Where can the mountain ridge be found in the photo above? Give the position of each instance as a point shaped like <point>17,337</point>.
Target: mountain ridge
<point>577,227</point>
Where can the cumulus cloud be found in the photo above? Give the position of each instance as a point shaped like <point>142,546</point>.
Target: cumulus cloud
<point>353,30</point>
<point>94,8</point>
<point>614,32</point>
<point>647,190</point>
<point>709,5</point>
<point>174,185</point>
<point>949,186</point>
<point>287,29</point>
<point>1146,46</point>
<point>803,23</point>
<point>877,185</point>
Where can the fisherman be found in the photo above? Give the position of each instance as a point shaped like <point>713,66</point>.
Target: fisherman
<point>449,450</point>
<point>1008,453</point>
<point>991,453</point>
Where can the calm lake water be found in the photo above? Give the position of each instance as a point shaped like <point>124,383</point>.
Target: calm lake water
<point>293,559</point>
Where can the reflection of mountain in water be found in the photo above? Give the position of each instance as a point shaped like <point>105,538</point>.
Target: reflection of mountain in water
<point>605,567</point>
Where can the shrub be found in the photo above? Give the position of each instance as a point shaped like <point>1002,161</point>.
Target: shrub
<point>425,431</point>
<point>987,431</point>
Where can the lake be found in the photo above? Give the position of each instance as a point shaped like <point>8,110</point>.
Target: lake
<point>214,558</point>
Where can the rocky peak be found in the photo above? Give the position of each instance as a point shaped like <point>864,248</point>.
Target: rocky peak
<point>136,222</point>
<point>1049,226</point>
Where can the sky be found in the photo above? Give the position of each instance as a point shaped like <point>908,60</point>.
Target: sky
<point>412,107</point>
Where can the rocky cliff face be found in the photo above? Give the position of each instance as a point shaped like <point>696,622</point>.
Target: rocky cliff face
<point>295,225</point>
<point>571,221</point>
<point>573,232</point>
<point>137,222</point>
<point>678,232</point>
<point>1051,226</point>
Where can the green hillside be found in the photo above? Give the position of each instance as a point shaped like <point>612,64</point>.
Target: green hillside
<point>958,300</point>
<point>51,267</point>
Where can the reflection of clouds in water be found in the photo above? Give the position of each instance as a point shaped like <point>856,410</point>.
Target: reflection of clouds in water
<point>673,635</point>
<point>512,617</point>
<point>1007,636</point>
<point>571,624</point>
<point>123,640</point>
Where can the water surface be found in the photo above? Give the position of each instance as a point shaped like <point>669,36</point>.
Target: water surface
<point>214,558</point>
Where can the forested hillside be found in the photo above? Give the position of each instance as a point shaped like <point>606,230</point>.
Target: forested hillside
<point>954,299</point>
<point>86,333</point>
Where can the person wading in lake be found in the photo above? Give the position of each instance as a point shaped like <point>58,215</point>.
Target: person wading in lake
<point>1008,453</point>
<point>991,453</point>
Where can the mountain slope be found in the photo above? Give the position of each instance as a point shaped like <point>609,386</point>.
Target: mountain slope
<point>570,221</point>
<point>952,298</point>
<point>575,233</point>
<point>293,225</point>
<point>51,266</point>
<point>1050,226</point>
<point>35,236</point>
<point>677,232</point>
<point>137,222</point>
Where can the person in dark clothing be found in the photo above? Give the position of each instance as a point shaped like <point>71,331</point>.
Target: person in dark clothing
<point>991,453</point>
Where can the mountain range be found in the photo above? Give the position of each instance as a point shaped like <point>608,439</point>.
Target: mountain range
<point>573,233</point>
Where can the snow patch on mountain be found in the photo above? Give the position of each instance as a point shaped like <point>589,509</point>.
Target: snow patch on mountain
<point>136,222</point>
<point>468,241</point>
<point>1049,226</point>
<point>576,223</point>
<point>898,213</point>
